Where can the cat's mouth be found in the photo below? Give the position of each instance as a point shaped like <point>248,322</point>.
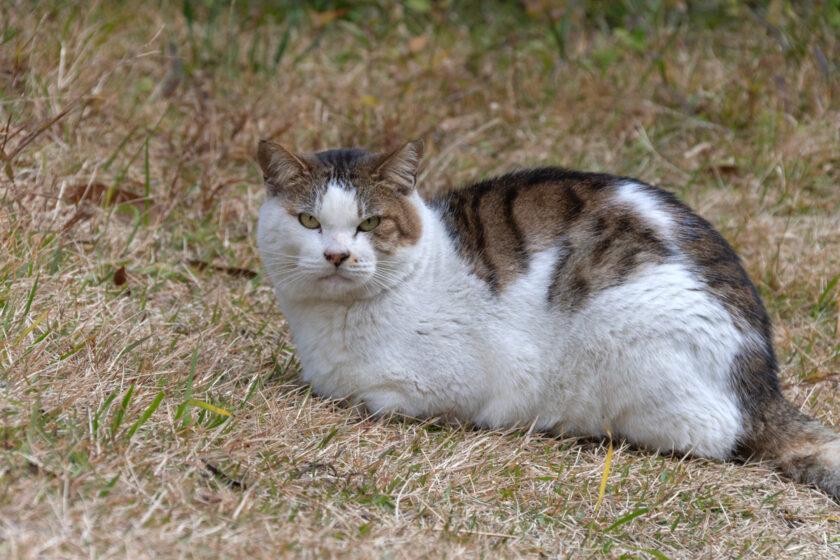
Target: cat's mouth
<point>335,276</point>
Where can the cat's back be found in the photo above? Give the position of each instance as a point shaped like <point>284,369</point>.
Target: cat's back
<point>602,230</point>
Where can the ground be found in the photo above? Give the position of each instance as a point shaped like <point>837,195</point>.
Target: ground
<point>149,401</point>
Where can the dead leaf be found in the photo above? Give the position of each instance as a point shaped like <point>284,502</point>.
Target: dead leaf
<point>120,276</point>
<point>77,217</point>
<point>95,193</point>
<point>234,271</point>
<point>416,44</point>
<point>323,18</point>
<point>10,173</point>
<point>369,101</point>
<point>813,379</point>
<point>723,169</point>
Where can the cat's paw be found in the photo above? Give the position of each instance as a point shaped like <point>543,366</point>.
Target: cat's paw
<point>384,400</point>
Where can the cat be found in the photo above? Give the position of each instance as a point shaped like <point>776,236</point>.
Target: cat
<point>571,301</point>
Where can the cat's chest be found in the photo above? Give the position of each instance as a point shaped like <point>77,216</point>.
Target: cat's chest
<point>334,333</point>
<point>344,349</point>
<point>341,341</point>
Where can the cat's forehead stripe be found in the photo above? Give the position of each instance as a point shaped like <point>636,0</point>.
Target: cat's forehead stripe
<point>341,162</point>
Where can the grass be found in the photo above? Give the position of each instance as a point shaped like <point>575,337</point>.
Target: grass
<point>148,391</point>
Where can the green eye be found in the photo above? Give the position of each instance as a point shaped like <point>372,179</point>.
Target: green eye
<point>309,221</point>
<point>369,224</point>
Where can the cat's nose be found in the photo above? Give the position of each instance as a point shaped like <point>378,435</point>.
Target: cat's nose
<point>336,258</point>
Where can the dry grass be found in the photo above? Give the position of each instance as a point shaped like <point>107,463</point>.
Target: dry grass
<point>114,347</point>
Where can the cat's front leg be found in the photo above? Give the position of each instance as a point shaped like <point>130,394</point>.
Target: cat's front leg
<point>389,398</point>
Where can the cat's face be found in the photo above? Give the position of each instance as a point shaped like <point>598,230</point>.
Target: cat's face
<point>338,224</point>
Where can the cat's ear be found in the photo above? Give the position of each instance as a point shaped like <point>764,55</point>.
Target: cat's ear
<point>400,166</point>
<point>279,165</point>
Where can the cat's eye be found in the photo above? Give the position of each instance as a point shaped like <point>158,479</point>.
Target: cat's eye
<point>369,224</point>
<point>309,221</point>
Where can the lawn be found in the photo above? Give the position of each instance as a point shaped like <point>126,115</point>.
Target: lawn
<point>149,400</point>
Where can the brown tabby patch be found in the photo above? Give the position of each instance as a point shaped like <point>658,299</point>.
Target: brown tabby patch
<point>400,223</point>
<point>609,247</point>
<point>716,263</point>
<point>499,223</point>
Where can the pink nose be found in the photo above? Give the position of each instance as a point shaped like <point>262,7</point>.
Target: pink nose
<point>336,258</point>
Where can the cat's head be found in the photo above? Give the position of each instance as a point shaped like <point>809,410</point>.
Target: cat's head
<point>339,223</point>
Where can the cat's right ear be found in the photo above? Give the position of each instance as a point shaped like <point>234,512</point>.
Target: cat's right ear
<point>400,166</point>
<point>279,165</point>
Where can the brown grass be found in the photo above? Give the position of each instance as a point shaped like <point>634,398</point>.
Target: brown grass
<point>126,235</point>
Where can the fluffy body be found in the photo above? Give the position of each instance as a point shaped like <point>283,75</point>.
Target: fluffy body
<point>502,313</point>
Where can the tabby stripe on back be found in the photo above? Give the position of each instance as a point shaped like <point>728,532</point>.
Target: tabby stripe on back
<point>499,223</point>
<point>516,231</point>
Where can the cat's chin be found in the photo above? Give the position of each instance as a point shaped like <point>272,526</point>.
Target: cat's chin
<point>336,286</point>
<point>336,279</point>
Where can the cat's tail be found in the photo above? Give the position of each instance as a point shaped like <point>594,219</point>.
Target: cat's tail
<point>797,444</point>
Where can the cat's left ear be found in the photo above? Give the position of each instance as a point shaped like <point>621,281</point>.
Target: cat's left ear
<point>400,166</point>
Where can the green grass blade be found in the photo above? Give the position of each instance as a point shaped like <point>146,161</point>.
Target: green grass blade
<point>208,407</point>
<point>654,553</point>
<point>184,407</point>
<point>132,346</point>
<point>284,43</point>
<point>626,518</point>
<point>146,414</point>
<point>102,409</point>
<point>30,328</point>
<point>30,298</point>
<point>119,147</point>
<point>118,417</point>
<point>146,185</point>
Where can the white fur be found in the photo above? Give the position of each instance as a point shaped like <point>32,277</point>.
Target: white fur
<point>419,334</point>
<point>646,205</point>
